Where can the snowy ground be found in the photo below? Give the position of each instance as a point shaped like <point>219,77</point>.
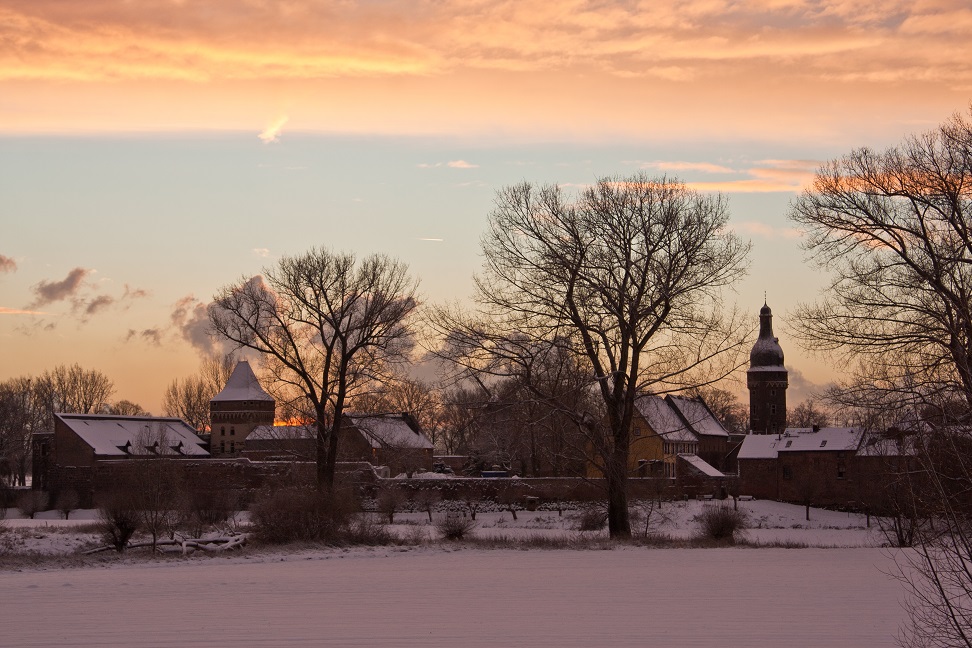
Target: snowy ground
<point>441,595</point>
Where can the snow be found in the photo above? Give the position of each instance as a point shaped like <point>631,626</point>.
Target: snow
<point>390,431</point>
<point>663,420</point>
<point>120,436</point>
<point>698,416</point>
<point>452,595</point>
<point>631,597</point>
<point>767,446</point>
<point>242,386</point>
<point>278,432</point>
<point>699,464</point>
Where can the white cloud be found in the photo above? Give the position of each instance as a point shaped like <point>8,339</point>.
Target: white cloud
<point>261,252</point>
<point>271,133</point>
<point>462,164</point>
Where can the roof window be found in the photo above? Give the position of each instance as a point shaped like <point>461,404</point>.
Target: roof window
<point>823,443</point>
<point>789,443</point>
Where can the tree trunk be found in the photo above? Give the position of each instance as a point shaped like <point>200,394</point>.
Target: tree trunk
<point>619,525</point>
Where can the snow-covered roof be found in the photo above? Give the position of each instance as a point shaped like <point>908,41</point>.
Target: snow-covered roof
<point>662,419</point>
<point>699,464</point>
<point>698,416</point>
<point>885,447</point>
<point>389,431</point>
<point>242,386</point>
<point>768,446</point>
<point>275,432</point>
<point>121,436</point>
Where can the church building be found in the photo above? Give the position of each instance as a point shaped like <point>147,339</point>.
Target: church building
<point>767,380</point>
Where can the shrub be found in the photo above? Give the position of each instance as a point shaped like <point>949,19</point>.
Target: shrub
<point>118,520</point>
<point>390,501</point>
<point>592,518</point>
<point>721,523</point>
<point>67,501</point>
<point>455,527</point>
<point>295,514</point>
<point>32,502</point>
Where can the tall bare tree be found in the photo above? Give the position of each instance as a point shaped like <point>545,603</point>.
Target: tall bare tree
<point>895,230</point>
<point>627,277</point>
<point>75,389</point>
<point>325,324</point>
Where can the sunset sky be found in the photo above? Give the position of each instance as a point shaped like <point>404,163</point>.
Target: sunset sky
<point>154,151</point>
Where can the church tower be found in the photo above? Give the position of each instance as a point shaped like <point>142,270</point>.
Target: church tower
<point>767,380</point>
<point>233,413</point>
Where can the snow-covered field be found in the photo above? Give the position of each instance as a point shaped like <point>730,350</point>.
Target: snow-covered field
<point>440,595</point>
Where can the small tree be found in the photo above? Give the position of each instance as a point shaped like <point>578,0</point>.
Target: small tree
<point>67,501</point>
<point>390,501</point>
<point>118,520</point>
<point>32,502</point>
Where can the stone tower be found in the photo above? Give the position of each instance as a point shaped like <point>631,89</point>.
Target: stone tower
<point>241,406</point>
<point>767,380</point>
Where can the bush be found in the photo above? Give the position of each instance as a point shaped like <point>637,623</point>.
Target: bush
<point>118,520</point>
<point>295,514</point>
<point>67,501</point>
<point>32,502</point>
<point>455,527</point>
<point>390,501</point>
<point>592,518</point>
<point>721,523</point>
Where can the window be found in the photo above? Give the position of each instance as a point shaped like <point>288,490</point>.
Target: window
<point>772,408</point>
<point>789,443</point>
<point>232,446</point>
<point>787,472</point>
<point>222,446</point>
<point>840,471</point>
<point>232,431</point>
<point>222,431</point>
<point>823,443</point>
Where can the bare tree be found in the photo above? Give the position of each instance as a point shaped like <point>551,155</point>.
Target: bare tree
<point>325,323</point>
<point>126,408</point>
<point>895,229</point>
<point>188,398</point>
<point>807,414</point>
<point>75,389</point>
<point>726,407</point>
<point>399,394</point>
<point>626,277</point>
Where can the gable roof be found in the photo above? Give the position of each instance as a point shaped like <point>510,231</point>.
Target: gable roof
<point>768,446</point>
<point>242,386</point>
<point>662,419</point>
<point>389,431</point>
<point>698,416</point>
<point>701,465</point>
<point>123,436</point>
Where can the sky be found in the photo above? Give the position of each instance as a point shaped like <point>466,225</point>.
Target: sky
<point>152,152</point>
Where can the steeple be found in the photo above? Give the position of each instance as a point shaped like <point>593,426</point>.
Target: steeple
<point>767,379</point>
<point>235,411</point>
<point>767,351</point>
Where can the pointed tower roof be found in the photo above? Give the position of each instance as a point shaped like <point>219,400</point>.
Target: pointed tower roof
<point>767,351</point>
<point>242,386</point>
